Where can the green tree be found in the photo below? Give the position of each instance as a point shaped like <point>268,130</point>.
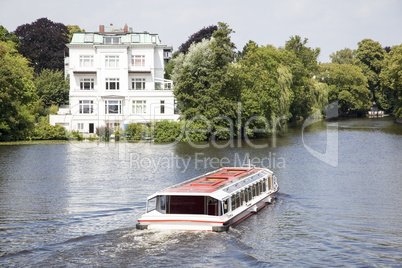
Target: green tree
<point>343,56</point>
<point>6,36</point>
<point>74,29</point>
<point>347,85</point>
<point>52,88</point>
<point>265,86</point>
<point>17,94</point>
<point>167,131</point>
<point>203,78</point>
<point>247,47</point>
<point>135,131</point>
<point>304,66</point>
<point>43,42</point>
<point>369,57</point>
<point>391,80</point>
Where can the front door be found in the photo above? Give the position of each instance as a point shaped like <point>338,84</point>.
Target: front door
<point>91,127</point>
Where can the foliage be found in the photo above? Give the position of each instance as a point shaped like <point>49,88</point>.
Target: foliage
<point>203,79</point>
<point>369,57</point>
<point>7,36</point>
<point>391,80</point>
<point>204,33</point>
<point>135,131</point>
<point>343,56</point>
<point>247,47</point>
<point>263,78</point>
<point>104,133</point>
<point>17,93</point>
<point>54,109</point>
<point>347,85</point>
<point>52,88</point>
<point>44,131</point>
<point>43,42</point>
<point>73,29</point>
<point>302,61</point>
<point>167,131</point>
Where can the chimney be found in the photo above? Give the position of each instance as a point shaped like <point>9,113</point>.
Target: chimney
<point>101,28</point>
<point>126,28</point>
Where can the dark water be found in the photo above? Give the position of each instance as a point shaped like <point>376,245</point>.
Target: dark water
<point>76,204</point>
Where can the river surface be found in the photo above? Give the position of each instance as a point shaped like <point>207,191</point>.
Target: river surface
<point>339,203</point>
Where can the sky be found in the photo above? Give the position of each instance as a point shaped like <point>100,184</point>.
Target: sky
<point>330,25</point>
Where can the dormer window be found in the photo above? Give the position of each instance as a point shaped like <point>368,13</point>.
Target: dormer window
<point>88,38</point>
<point>135,38</point>
<point>109,40</point>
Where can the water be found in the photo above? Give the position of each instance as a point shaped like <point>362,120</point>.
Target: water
<point>76,204</point>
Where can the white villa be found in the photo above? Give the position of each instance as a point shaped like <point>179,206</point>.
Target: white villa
<point>116,78</point>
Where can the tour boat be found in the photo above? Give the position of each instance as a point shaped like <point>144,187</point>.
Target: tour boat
<point>210,202</point>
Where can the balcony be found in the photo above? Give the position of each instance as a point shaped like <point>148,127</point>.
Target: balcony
<point>163,84</point>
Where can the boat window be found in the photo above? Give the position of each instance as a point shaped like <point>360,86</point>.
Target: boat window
<point>245,195</point>
<point>250,195</point>
<point>151,204</point>
<point>269,182</point>
<point>237,200</point>
<point>163,202</point>
<point>179,204</point>
<point>233,202</point>
<point>225,206</point>
<point>212,206</point>
<point>264,185</point>
<point>241,197</point>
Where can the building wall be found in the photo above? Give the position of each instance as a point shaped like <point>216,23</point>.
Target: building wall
<point>103,91</point>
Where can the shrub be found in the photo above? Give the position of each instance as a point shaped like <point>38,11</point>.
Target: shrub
<point>104,133</point>
<point>167,131</point>
<point>135,131</point>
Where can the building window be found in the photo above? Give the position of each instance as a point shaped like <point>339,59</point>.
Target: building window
<point>113,107</point>
<point>113,125</point>
<point>112,84</point>
<point>162,106</point>
<point>86,107</point>
<point>88,38</point>
<point>135,38</point>
<point>80,126</point>
<point>111,61</point>
<point>86,61</point>
<point>109,40</point>
<point>176,108</point>
<point>138,60</point>
<point>138,83</point>
<point>153,39</point>
<point>86,83</point>
<point>139,107</point>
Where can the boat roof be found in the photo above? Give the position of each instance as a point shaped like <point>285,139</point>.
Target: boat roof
<point>219,183</point>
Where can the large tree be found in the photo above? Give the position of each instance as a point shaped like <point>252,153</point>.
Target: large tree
<point>343,56</point>
<point>348,86</point>
<point>370,56</point>
<point>43,42</point>
<point>391,80</point>
<point>52,88</point>
<point>17,94</point>
<point>204,33</point>
<point>304,66</point>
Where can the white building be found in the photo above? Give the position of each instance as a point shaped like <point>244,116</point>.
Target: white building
<point>116,78</point>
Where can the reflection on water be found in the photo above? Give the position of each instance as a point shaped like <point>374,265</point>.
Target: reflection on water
<point>77,204</point>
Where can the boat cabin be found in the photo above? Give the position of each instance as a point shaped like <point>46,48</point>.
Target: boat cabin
<point>213,194</point>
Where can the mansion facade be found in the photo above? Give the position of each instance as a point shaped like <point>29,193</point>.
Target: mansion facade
<point>116,78</point>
